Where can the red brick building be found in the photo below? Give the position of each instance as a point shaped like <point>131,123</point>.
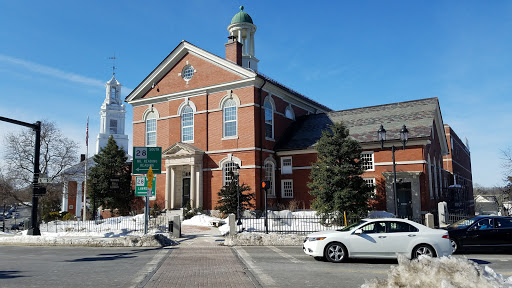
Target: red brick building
<point>212,114</point>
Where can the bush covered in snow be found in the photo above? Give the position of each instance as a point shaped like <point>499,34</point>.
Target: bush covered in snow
<point>445,272</point>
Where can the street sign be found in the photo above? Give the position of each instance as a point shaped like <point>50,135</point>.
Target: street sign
<point>141,186</point>
<point>44,180</point>
<point>145,157</point>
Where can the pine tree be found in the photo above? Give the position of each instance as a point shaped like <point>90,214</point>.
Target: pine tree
<point>335,179</point>
<point>228,197</point>
<point>111,168</point>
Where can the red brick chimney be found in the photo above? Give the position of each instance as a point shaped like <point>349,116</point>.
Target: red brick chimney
<point>234,50</point>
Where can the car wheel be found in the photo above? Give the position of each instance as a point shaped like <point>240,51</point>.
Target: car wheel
<point>455,245</point>
<point>336,252</point>
<point>423,249</point>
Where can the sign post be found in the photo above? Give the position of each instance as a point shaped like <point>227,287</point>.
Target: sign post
<point>264,186</point>
<point>146,211</point>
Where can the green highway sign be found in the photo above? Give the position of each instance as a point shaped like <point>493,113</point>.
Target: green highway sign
<point>141,186</point>
<point>145,157</point>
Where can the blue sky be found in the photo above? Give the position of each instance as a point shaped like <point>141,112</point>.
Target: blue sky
<point>344,54</point>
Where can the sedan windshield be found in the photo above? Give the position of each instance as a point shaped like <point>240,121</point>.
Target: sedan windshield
<point>464,223</point>
<point>351,226</point>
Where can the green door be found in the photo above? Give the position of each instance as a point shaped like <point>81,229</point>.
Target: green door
<point>186,192</point>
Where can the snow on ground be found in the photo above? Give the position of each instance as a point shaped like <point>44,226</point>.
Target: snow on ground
<point>445,272</point>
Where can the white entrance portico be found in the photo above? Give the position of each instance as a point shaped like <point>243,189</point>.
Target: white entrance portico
<point>184,176</point>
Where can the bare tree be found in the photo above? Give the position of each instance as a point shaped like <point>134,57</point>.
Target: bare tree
<point>57,154</point>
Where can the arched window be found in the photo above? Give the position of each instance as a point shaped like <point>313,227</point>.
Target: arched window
<point>187,124</point>
<point>269,176</point>
<point>151,129</point>
<point>269,119</point>
<point>227,167</point>
<point>230,118</point>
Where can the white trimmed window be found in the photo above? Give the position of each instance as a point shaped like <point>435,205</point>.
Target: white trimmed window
<point>287,188</point>
<point>286,165</point>
<point>371,183</point>
<point>151,129</point>
<point>288,113</point>
<point>269,176</point>
<point>269,119</point>
<point>187,124</point>
<point>367,159</point>
<point>226,168</point>
<point>230,117</point>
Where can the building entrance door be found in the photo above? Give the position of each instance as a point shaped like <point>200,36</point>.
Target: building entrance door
<point>404,195</point>
<point>186,192</point>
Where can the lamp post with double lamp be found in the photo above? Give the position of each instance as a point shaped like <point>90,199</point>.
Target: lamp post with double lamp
<point>237,175</point>
<point>404,135</point>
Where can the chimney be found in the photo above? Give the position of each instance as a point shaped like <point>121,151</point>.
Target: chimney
<point>234,50</point>
<point>82,157</point>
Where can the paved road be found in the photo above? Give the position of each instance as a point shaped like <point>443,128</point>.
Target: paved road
<point>76,266</point>
<point>288,266</point>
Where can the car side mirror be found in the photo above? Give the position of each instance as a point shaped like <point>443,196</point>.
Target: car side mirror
<point>358,231</point>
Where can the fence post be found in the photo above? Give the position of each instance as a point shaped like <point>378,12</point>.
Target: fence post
<point>232,225</point>
<point>429,220</point>
<point>176,226</point>
<point>442,209</point>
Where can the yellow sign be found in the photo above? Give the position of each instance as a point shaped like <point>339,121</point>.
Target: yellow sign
<point>150,178</point>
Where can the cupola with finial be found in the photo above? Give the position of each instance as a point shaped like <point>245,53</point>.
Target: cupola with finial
<point>244,29</point>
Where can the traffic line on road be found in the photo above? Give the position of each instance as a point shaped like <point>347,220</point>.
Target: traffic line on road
<point>262,276</point>
<point>283,254</point>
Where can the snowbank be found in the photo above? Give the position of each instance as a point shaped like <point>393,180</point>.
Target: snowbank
<point>445,272</point>
<point>262,239</point>
<point>57,239</point>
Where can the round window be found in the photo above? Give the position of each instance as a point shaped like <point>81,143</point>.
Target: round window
<point>187,73</point>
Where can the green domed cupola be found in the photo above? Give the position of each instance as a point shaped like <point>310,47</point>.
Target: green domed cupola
<point>243,30</point>
<point>241,17</point>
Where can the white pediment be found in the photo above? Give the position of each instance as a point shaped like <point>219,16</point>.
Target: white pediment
<point>180,150</point>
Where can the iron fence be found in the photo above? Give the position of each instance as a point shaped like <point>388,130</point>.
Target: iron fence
<point>115,225</point>
<point>452,218</point>
<point>299,224</point>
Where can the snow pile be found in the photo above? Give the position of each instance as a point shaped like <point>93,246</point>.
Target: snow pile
<point>445,272</point>
<point>57,239</point>
<point>203,220</point>
<point>262,239</point>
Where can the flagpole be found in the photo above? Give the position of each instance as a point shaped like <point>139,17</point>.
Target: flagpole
<point>86,160</point>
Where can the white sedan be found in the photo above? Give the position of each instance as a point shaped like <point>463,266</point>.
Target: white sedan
<point>378,238</point>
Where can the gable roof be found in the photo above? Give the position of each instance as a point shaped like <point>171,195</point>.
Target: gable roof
<point>185,47</point>
<point>172,59</point>
<point>363,123</point>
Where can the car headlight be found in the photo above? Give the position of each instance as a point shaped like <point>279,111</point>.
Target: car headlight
<point>315,238</point>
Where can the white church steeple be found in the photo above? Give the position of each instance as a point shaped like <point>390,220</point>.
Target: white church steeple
<point>112,117</point>
<point>244,29</point>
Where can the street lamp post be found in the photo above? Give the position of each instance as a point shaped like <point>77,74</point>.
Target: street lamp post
<point>404,136</point>
<point>237,174</point>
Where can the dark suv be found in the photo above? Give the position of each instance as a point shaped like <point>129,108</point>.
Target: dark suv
<point>481,232</point>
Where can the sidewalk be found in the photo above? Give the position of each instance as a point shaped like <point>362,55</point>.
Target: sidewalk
<point>200,261</point>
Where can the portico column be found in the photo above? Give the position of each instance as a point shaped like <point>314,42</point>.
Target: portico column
<point>168,187</point>
<point>199,186</point>
<point>193,186</point>
<point>252,44</point>
<point>240,35</point>
<point>173,188</point>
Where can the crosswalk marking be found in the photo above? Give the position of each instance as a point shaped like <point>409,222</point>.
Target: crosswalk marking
<point>265,279</point>
<point>283,254</point>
